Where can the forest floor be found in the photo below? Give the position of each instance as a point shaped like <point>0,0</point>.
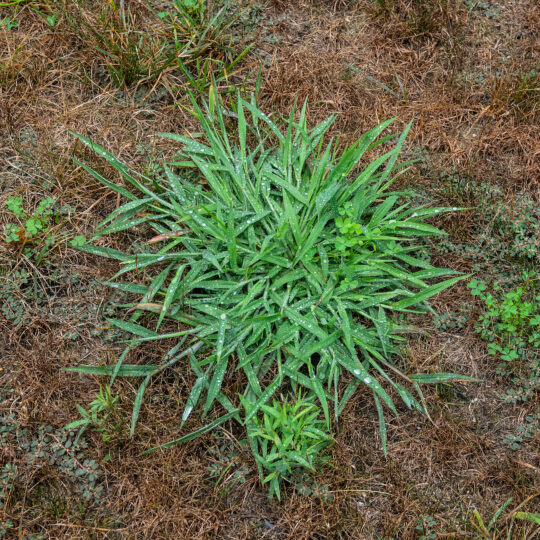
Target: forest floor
<point>467,74</point>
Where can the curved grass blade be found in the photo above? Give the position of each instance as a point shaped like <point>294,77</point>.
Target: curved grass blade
<point>137,404</point>
<point>426,293</point>
<point>196,433</point>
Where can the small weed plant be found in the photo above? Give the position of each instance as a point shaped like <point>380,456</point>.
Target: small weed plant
<point>97,415</point>
<point>30,224</point>
<point>140,46</point>
<point>425,525</point>
<point>524,432</point>
<point>279,260</point>
<point>28,297</point>
<point>43,468</point>
<point>34,232</point>
<point>227,467</point>
<point>452,320</point>
<point>505,238</point>
<point>511,326</point>
<point>290,438</point>
<point>45,450</point>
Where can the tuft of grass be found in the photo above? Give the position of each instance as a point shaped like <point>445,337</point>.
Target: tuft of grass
<point>102,415</point>
<point>517,93</point>
<point>501,524</point>
<point>140,46</point>
<point>289,437</point>
<point>281,259</point>
<point>422,18</point>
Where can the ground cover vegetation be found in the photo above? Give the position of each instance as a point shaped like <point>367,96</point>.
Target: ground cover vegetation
<point>460,459</point>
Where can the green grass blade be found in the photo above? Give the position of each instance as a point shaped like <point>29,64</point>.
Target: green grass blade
<point>221,365</point>
<point>382,423</point>
<point>133,328</point>
<point>138,403</point>
<point>528,516</point>
<point>170,294</point>
<point>125,370</point>
<point>426,293</point>
<point>436,378</point>
<point>198,432</point>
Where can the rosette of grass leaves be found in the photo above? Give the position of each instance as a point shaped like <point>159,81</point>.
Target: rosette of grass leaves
<point>261,271</point>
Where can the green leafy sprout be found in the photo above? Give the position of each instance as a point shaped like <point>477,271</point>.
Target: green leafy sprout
<point>511,326</point>
<point>97,414</point>
<point>290,437</point>
<point>31,225</point>
<point>251,276</point>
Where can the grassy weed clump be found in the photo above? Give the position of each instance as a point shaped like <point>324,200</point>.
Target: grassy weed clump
<point>281,259</point>
<point>141,46</point>
<point>497,526</point>
<point>290,437</point>
<point>517,93</point>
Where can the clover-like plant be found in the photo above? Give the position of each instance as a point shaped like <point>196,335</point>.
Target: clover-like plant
<point>31,225</point>
<point>511,326</point>
<point>251,266</point>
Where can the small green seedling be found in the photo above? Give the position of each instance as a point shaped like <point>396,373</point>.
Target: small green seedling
<point>424,526</point>
<point>289,438</point>
<point>511,326</point>
<point>97,414</point>
<point>9,23</point>
<point>31,225</point>
<point>511,321</point>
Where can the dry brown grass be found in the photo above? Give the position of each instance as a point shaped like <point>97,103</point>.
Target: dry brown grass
<point>432,76</point>
<point>446,467</point>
